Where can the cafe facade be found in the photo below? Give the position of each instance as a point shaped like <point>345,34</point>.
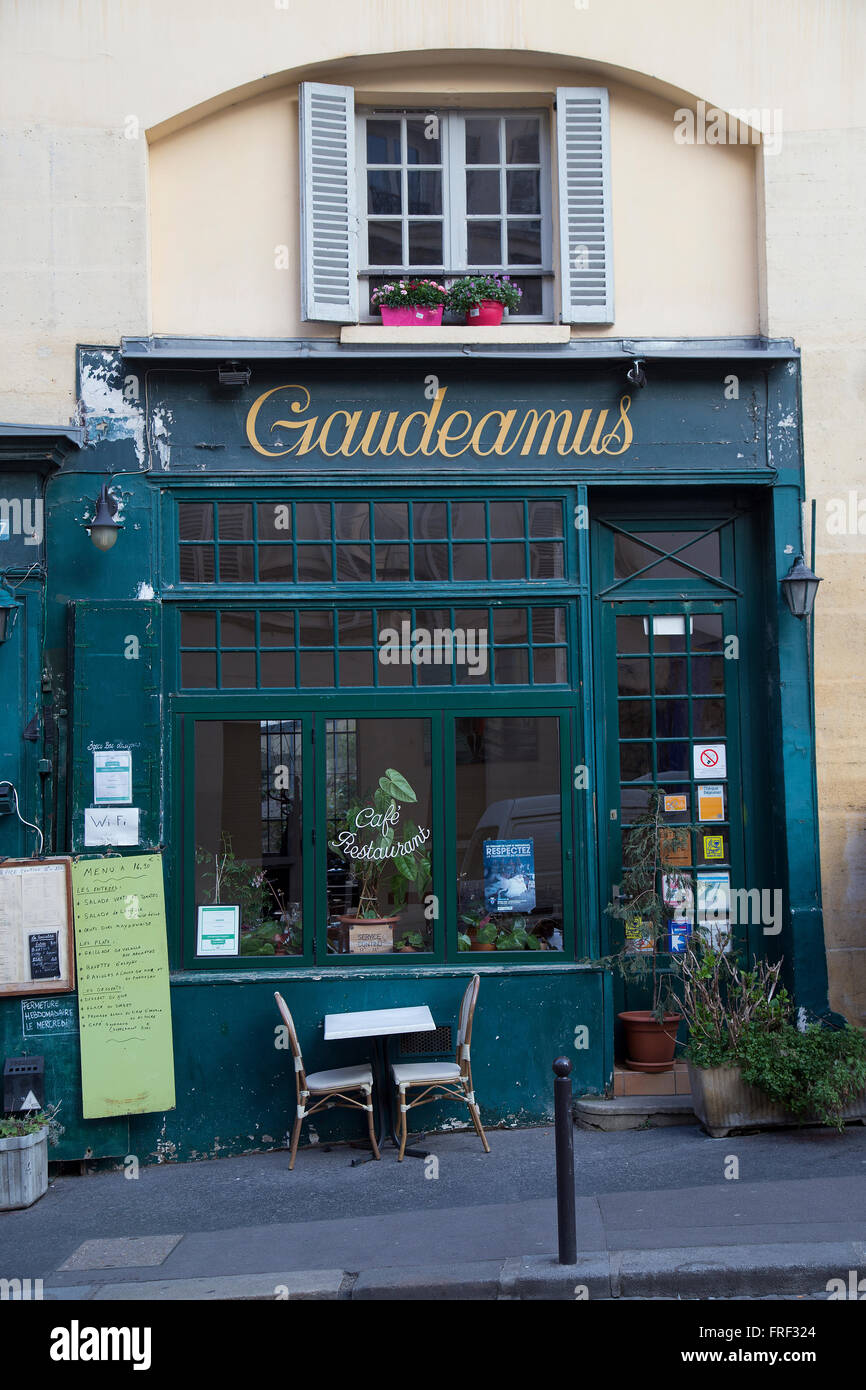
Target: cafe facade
<point>463,608</point>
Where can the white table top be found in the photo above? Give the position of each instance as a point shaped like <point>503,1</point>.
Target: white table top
<point>373,1023</point>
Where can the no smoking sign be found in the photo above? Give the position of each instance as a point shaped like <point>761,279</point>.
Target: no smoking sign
<point>710,760</point>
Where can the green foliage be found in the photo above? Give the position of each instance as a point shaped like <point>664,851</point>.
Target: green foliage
<point>19,1126</point>
<point>410,941</point>
<point>817,1071</point>
<point>406,294</point>
<point>504,932</point>
<point>469,290</point>
<point>392,876</point>
<point>464,943</point>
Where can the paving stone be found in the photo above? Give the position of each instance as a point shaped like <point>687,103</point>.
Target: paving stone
<point>122,1252</point>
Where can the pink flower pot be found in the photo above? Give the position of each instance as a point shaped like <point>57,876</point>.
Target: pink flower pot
<point>415,316</point>
<point>487,314</point>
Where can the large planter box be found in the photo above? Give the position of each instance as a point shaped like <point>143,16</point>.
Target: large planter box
<point>23,1170</point>
<point>723,1102</point>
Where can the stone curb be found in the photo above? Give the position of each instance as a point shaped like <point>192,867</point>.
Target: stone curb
<point>744,1271</point>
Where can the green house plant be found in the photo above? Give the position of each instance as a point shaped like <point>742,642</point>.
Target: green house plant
<point>483,299</point>
<point>24,1140</point>
<point>496,932</point>
<point>651,867</point>
<point>388,859</point>
<point>410,303</point>
<point>270,926</point>
<point>752,1062</point>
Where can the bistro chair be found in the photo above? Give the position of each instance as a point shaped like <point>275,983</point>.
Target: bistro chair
<point>332,1086</point>
<point>442,1079</point>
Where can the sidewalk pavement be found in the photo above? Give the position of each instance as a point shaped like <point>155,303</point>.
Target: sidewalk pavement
<point>656,1218</point>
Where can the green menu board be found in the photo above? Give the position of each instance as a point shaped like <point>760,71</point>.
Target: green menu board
<point>127,1062</point>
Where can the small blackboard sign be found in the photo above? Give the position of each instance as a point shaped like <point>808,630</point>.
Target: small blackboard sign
<point>45,956</point>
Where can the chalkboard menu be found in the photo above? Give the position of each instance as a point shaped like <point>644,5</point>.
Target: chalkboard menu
<point>36,950</point>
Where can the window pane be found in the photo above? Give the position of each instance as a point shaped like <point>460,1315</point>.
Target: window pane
<point>470,562</point>
<point>235,521</point>
<point>635,719</point>
<point>425,192</point>
<point>511,666</point>
<point>482,140</point>
<point>672,719</point>
<point>467,520</point>
<point>425,243</point>
<point>383,142</point>
<point>373,906</point>
<point>708,675</point>
<point>707,632</point>
<point>352,521</point>
<point>533,294</point>
<point>196,564</point>
<point>385,243</point>
<point>508,560</point>
<point>506,519</point>
<point>356,668</point>
<point>195,521</point>
<point>633,677</point>
<point>313,521</point>
<point>635,761</point>
<point>316,669</point>
<point>482,190</point>
<point>522,140</point>
<point>673,759</point>
<point>392,563</point>
<point>384,192</point>
<point>237,629</point>
<point>709,718</point>
<point>545,519</point>
<point>670,675</point>
<point>198,669</point>
<point>523,191</point>
<point>548,625</point>
<point>630,555</point>
<point>316,629</point>
<point>430,520</point>
<point>545,560</point>
<point>198,629</point>
<point>277,628</point>
<point>314,564</point>
<point>508,799</point>
<point>510,625</point>
<point>391,520</point>
<point>234,762</point>
<point>431,562</point>
<point>550,666</point>
<point>422,142</point>
<point>484,242</point>
<point>238,670</point>
<point>277,669</point>
<point>355,627</point>
<point>274,521</point>
<point>236,564</point>
<point>631,635</point>
<point>524,243</point>
<point>275,564</point>
<point>353,564</point>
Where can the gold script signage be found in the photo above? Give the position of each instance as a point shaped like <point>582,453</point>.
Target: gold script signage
<point>434,431</point>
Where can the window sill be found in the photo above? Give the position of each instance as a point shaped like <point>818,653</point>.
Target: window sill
<point>457,333</point>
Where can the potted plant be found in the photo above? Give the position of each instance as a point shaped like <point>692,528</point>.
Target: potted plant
<point>483,299</point>
<point>410,941</point>
<point>496,932</point>
<point>386,863</point>
<point>24,1141</point>
<point>752,1062</point>
<point>410,303</point>
<point>652,892</point>
<point>269,925</point>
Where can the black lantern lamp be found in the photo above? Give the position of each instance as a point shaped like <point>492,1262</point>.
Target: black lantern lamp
<point>799,587</point>
<point>104,526</point>
<point>9,607</point>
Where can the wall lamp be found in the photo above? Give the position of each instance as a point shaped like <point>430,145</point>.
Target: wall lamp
<point>799,587</point>
<point>103,525</point>
<point>9,608</point>
<point>233,374</point>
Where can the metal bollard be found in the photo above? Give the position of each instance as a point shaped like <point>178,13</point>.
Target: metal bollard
<point>564,1126</point>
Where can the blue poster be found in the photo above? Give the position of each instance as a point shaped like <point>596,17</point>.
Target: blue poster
<point>678,934</point>
<point>509,875</point>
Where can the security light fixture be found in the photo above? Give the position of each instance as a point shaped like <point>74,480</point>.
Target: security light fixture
<point>104,526</point>
<point>636,374</point>
<point>233,374</point>
<point>9,606</point>
<point>799,587</point>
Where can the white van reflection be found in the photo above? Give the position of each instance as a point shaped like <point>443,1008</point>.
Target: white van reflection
<point>535,818</point>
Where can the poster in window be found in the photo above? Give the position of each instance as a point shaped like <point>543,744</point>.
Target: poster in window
<point>509,875</point>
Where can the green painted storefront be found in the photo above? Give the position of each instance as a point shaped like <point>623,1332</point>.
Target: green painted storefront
<point>610,549</point>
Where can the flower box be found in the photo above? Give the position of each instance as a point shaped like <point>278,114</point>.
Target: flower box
<point>724,1102</point>
<point>23,1169</point>
<point>415,316</point>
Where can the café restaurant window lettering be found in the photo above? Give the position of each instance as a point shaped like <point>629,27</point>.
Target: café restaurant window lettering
<point>298,542</point>
<point>447,192</point>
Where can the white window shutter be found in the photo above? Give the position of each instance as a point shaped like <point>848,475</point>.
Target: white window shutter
<point>583,154</point>
<point>329,214</point>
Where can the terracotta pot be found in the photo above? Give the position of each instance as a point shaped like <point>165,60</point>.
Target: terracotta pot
<point>482,946</point>
<point>351,921</point>
<point>487,314</point>
<point>650,1045</point>
<point>413,316</point>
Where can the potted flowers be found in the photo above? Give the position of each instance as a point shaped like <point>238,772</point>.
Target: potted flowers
<point>483,299</point>
<point>24,1140</point>
<point>410,303</point>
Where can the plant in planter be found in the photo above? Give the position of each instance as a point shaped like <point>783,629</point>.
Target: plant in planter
<point>653,888</point>
<point>483,299</point>
<point>749,1064</point>
<point>410,303</point>
<point>410,941</point>
<point>496,932</point>
<point>24,1140</point>
<point>389,862</point>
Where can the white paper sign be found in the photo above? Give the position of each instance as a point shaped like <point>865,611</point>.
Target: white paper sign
<point>710,760</point>
<point>112,776</point>
<point>714,895</point>
<point>110,827</point>
<point>218,931</point>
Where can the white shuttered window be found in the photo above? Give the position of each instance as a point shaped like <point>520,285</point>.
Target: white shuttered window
<point>583,155</point>
<point>329,214</point>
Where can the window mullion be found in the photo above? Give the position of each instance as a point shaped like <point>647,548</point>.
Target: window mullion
<point>457,190</point>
